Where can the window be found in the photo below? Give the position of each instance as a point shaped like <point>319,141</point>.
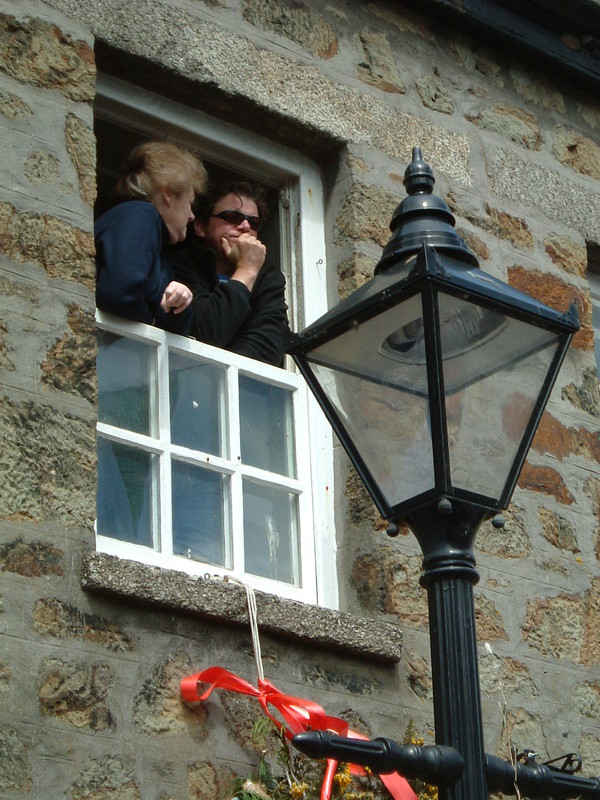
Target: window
<point>210,462</point>
<point>595,293</point>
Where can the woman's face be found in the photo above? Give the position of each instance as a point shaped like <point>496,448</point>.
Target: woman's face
<point>176,211</point>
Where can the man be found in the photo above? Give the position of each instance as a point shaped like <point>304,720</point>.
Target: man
<point>239,301</point>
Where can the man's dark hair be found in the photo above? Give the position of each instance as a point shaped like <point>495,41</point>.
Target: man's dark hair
<point>205,202</point>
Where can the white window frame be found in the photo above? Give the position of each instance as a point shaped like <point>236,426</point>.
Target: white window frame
<point>594,281</point>
<point>303,262</point>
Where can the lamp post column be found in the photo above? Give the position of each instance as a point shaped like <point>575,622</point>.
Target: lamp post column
<point>449,574</point>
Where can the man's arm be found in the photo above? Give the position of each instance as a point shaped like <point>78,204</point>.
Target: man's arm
<point>264,334</point>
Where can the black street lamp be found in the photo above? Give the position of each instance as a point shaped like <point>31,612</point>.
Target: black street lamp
<point>434,376</point>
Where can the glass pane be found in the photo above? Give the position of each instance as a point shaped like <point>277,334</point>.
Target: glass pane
<point>389,427</point>
<point>127,500</point>
<point>382,401</point>
<point>271,533</point>
<point>197,397</point>
<point>266,426</point>
<point>198,513</point>
<point>487,417</point>
<point>126,382</point>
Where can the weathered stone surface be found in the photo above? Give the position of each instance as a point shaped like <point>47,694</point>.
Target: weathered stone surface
<point>353,273</point>
<point>71,364</point>
<point>63,251</point>
<point>555,626</point>
<point>516,124</point>
<point>205,782</point>
<point>590,647</point>
<point>433,93</point>
<point>377,64</point>
<point>42,167</point>
<point>555,438</point>
<point>38,53</point>
<point>567,254</point>
<point>108,779</point>
<point>499,223</point>
<point>587,697</point>
<point>509,227</point>
<point>419,675</point>
<point>365,214</point>
<point>512,541</point>
<point>47,464</point>
<point>5,361</point>
<point>489,620</point>
<point>361,508</point>
<point>475,244</point>
<point>76,693</point>
<point>388,582</point>
<point>328,677</point>
<point>586,395</point>
<point>523,730</point>
<point>241,714</point>
<point>227,603</point>
<point>295,21</point>
<point>545,480</point>
<point>54,617</point>
<point>404,19</point>
<point>591,489</point>
<point>475,58</point>
<point>534,87</point>
<point>158,707</point>
<point>550,193</point>
<point>589,749</point>
<point>505,676</point>
<point>14,107</point>
<point>576,151</point>
<point>81,146</point>
<point>32,559</point>
<point>15,767</point>
<point>558,531</point>
<point>308,105</point>
<point>559,295</point>
<point>4,678</point>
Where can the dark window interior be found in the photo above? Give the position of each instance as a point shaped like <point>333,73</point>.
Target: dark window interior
<point>114,141</point>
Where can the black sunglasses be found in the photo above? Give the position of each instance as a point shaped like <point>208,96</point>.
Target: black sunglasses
<point>236,218</point>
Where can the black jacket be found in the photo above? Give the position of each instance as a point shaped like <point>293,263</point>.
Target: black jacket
<point>227,314</point>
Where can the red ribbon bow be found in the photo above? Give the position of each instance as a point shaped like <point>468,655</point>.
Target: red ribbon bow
<point>299,715</point>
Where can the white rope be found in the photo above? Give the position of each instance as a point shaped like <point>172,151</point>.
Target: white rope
<point>253,617</point>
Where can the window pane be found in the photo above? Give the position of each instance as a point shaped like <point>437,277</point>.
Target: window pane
<point>197,397</point>
<point>126,382</point>
<point>266,426</point>
<point>271,533</point>
<point>127,497</point>
<point>198,513</point>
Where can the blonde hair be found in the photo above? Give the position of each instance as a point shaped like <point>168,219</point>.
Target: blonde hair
<point>160,165</point>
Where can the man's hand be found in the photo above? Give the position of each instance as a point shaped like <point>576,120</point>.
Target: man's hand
<point>247,255</point>
<point>176,298</point>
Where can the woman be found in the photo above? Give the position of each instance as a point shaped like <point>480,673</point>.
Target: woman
<point>133,278</point>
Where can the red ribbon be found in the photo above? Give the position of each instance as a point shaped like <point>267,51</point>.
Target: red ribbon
<point>298,715</point>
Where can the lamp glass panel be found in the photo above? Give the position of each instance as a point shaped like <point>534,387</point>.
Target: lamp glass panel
<point>490,390</point>
<point>382,404</point>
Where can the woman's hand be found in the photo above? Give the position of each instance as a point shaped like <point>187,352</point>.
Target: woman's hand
<point>176,298</point>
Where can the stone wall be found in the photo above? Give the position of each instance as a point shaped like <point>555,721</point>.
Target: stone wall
<point>89,699</point>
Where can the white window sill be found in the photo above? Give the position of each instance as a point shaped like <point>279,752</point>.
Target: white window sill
<point>220,601</point>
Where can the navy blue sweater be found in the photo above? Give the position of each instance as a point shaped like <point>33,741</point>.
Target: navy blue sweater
<point>131,270</point>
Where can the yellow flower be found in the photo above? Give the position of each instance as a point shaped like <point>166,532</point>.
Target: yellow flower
<point>297,790</point>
